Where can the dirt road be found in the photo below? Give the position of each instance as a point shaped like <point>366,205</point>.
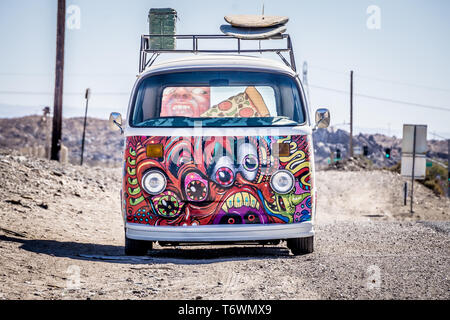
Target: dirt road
<point>61,237</point>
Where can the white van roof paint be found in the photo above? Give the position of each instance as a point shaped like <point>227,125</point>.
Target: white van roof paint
<point>219,61</point>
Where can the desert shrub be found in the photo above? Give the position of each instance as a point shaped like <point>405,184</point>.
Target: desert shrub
<point>434,177</point>
<point>396,167</point>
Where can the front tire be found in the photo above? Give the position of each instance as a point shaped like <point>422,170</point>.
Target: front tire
<point>299,246</point>
<point>137,247</point>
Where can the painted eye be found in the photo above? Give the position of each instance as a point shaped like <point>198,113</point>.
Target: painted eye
<point>224,176</point>
<point>195,187</point>
<point>248,161</point>
<point>224,172</point>
<point>198,91</point>
<point>168,206</point>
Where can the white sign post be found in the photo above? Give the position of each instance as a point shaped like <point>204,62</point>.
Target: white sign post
<point>414,148</point>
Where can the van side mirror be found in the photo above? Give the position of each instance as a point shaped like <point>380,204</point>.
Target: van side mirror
<point>115,121</point>
<point>322,118</point>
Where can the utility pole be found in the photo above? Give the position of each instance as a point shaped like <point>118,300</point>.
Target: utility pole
<point>45,123</point>
<point>87,95</point>
<point>351,115</point>
<point>59,76</point>
<point>413,169</point>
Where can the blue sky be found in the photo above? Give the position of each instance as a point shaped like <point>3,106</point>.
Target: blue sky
<point>407,59</point>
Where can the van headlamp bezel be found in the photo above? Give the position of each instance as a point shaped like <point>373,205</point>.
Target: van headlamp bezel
<point>274,184</point>
<point>146,183</point>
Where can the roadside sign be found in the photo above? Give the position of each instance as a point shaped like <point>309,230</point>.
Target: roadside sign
<point>408,150</point>
<point>419,167</point>
<point>414,148</point>
<point>408,137</point>
<point>429,164</point>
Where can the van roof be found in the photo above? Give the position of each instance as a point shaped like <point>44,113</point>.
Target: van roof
<point>205,61</point>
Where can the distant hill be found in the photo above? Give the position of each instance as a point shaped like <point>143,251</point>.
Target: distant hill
<point>328,140</point>
<point>103,145</point>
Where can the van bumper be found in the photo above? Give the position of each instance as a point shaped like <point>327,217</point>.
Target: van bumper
<point>213,233</point>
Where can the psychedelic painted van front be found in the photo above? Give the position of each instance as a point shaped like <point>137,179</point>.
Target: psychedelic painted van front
<point>219,180</point>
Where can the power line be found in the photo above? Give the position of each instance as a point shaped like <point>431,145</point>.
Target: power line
<point>340,124</point>
<point>106,75</point>
<point>343,73</point>
<point>130,75</point>
<point>384,99</point>
<point>329,70</point>
<point>403,83</point>
<point>439,136</point>
<point>405,102</point>
<point>312,86</point>
<point>38,93</point>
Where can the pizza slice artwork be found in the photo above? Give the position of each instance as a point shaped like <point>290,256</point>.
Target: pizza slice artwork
<point>247,104</point>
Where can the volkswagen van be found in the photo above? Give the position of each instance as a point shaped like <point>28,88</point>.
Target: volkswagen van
<point>218,150</point>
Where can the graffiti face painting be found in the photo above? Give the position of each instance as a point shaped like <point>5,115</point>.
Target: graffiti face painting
<point>219,180</point>
<point>185,101</point>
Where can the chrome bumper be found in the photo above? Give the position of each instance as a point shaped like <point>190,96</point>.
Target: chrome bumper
<point>219,232</point>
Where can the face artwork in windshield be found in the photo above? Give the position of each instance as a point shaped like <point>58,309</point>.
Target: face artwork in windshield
<point>185,101</point>
<point>217,99</point>
<point>217,102</point>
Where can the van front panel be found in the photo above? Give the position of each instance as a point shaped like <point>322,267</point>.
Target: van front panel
<point>219,180</point>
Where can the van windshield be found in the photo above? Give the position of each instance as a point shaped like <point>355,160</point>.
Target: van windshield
<point>217,99</point>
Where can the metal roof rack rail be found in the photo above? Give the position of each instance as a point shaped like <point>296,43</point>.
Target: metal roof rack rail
<point>146,61</point>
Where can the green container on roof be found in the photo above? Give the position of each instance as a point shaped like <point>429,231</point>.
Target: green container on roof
<point>162,21</point>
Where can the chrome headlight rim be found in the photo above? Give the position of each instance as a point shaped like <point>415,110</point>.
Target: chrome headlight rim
<point>282,171</point>
<point>147,174</point>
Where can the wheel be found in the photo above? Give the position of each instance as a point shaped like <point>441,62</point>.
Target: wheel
<point>301,245</point>
<point>137,247</point>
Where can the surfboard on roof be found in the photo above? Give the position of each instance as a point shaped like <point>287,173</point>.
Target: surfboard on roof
<point>252,33</point>
<point>255,21</point>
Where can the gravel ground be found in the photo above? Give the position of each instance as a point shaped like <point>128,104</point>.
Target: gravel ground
<point>60,221</point>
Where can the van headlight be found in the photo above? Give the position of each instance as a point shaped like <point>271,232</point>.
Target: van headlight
<point>282,181</point>
<point>154,182</point>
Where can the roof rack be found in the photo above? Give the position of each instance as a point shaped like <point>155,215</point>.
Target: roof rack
<point>145,61</point>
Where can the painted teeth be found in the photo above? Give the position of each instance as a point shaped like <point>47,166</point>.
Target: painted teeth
<point>230,202</point>
<point>240,199</point>
<point>181,107</point>
<point>225,207</point>
<point>246,199</point>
